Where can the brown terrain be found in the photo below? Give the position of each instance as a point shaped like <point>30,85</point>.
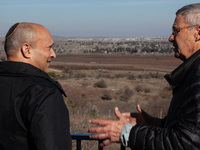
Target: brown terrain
<point>96,84</point>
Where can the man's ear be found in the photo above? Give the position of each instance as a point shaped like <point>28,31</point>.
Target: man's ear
<point>198,34</point>
<point>26,50</point>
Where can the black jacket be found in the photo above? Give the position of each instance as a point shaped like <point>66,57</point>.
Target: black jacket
<point>33,115</point>
<point>180,129</point>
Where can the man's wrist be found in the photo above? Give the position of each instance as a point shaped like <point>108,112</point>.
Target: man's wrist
<point>125,132</point>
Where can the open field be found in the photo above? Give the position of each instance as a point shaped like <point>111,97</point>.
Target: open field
<point>96,84</point>
<point>118,62</point>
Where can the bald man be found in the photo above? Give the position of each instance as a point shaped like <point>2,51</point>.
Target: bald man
<point>33,115</point>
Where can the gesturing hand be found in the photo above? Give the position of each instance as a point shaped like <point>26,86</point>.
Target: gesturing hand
<point>110,129</point>
<point>135,117</point>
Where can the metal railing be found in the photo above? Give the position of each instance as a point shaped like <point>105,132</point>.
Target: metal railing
<point>80,137</point>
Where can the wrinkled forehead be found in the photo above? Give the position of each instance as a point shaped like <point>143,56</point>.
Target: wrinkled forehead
<point>179,21</point>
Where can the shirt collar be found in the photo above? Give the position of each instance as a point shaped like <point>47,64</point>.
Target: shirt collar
<point>176,76</point>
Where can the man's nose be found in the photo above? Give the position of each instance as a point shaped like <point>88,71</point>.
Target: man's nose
<point>53,54</point>
<point>171,38</point>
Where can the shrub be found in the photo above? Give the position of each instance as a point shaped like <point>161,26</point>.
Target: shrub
<point>104,75</point>
<point>139,88</point>
<point>52,74</point>
<point>94,111</point>
<point>166,92</point>
<point>156,75</point>
<point>120,75</point>
<point>85,84</point>
<point>131,77</point>
<point>140,76</point>
<point>151,75</point>
<point>125,93</point>
<point>67,69</point>
<point>147,90</point>
<point>79,75</point>
<point>100,84</point>
<point>106,96</point>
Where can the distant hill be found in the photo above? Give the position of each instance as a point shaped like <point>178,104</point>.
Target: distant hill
<point>105,45</point>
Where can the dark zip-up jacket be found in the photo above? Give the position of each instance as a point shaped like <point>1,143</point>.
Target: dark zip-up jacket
<point>180,129</point>
<point>33,115</point>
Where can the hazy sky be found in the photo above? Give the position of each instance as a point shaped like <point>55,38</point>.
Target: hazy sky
<point>94,18</point>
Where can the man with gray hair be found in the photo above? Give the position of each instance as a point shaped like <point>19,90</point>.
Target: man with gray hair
<point>180,129</point>
<point>33,115</point>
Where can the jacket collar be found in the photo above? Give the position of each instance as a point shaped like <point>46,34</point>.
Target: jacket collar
<point>17,69</point>
<point>176,76</point>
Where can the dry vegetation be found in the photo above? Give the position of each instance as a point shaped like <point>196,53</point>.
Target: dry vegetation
<point>96,84</point>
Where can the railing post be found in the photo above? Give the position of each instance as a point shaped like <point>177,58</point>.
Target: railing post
<point>122,147</point>
<point>100,141</point>
<point>78,144</point>
<point>79,137</point>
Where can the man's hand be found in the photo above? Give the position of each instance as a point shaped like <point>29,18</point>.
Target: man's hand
<point>110,129</point>
<point>135,117</point>
<point>141,117</point>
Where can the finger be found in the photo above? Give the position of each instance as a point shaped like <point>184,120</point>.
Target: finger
<point>105,142</point>
<point>134,115</point>
<point>139,109</point>
<point>100,122</point>
<point>117,112</point>
<point>128,114</point>
<point>97,130</point>
<point>99,136</point>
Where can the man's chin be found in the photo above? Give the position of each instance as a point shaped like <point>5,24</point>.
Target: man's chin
<point>176,55</point>
<point>181,57</point>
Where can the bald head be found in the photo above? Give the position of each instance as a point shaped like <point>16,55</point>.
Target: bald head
<point>30,43</point>
<point>21,33</point>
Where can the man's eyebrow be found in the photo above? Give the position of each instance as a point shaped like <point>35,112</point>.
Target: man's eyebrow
<point>51,45</point>
<point>174,28</point>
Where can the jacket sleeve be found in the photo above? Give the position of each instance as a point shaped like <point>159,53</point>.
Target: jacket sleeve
<point>152,138</point>
<point>182,126</point>
<point>49,120</point>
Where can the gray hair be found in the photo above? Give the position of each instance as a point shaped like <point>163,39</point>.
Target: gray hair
<point>191,14</point>
<point>17,35</point>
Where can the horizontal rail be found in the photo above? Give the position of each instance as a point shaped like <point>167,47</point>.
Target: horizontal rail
<point>80,137</point>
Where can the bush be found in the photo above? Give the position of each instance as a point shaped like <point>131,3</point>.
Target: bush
<point>104,75</point>
<point>166,92</point>
<point>94,112</point>
<point>151,75</point>
<point>85,84</point>
<point>131,77</point>
<point>52,74</point>
<point>67,69</point>
<point>120,75</point>
<point>147,90</point>
<point>139,88</point>
<point>106,96</point>
<point>156,75</point>
<point>100,84</point>
<point>79,75</point>
<point>125,93</point>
